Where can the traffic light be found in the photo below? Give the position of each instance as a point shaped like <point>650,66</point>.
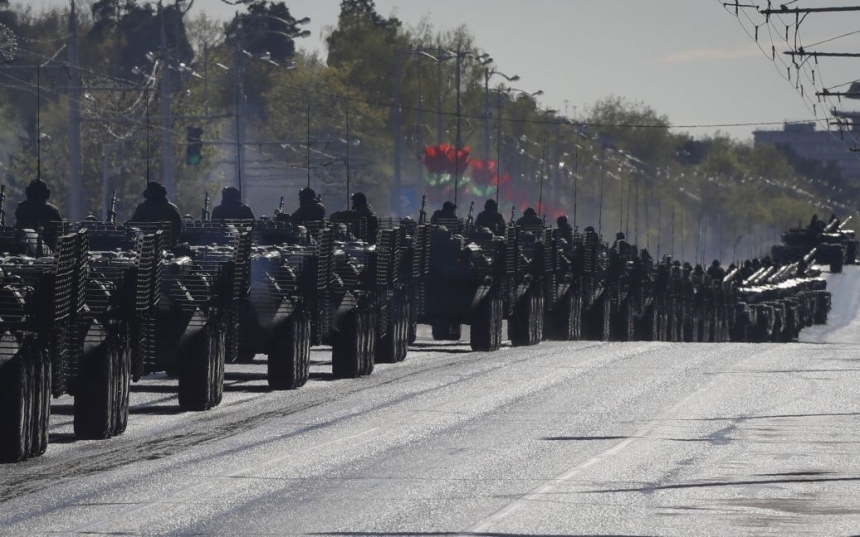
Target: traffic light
<point>194,146</point>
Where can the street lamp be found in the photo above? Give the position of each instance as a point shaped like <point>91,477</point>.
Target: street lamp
<point>240,53</point>
<point>499,91</point>
<point>398,117</point>
<point>489,74</point>
<point>483,60</point>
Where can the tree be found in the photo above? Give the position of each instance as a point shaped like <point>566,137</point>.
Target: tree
<point>267,28</point>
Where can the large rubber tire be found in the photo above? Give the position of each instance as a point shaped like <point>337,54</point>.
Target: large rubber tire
<point>96,391</point>
<point>622,323</point>
<point>525,325</point>
<point>16,407</point>
<point>446,332</point>
<point>42,402</point>
<point>368,349</point>
<point>219,342</point>
<point>485,333</point>
<point>565,323</point>
<point>123,389</point>
<point>348,346</point>
<point>392,347</point>
<point>289,361</point>
<point>836,265</point>
<point>197,370</point>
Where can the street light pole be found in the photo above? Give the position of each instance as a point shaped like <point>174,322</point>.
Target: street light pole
<point>489,73</point>
<point>398,138</point>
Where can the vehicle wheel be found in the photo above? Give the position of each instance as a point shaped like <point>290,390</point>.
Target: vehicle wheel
<point>197,370</point>
<point>446,332</point>
<point>220,344</point>
<point>485,333</point>
<point>368,353</point>
<point>564,321</point>
<point>122,394</point>
<point>289,361</point>
<point>413,332</point>
<point>42,401</point>
<point>390,348</point>
<point>525,325</point>
<point>347,346</point>
<point>16,402</point>
<point>836,265</point>
<point>96,392</point>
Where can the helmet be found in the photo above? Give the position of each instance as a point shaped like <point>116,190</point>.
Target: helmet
<point>307,194</point>
<point>530,212</point>
<point>561,220</point>
<point>231,193</point>
<point>715,263</point>
<point>449,206</point>
<point>155,190</point>
<point>491,205</point>
<point>619,236</point>
<point>38,190</point>
<point>359,199</point>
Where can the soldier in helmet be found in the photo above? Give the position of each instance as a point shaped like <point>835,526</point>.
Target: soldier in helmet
<point>716,272</point>
<point>231,207</point>
<point>447,212</point>
<point>35,211</point>
<point>564,224</point>
<point>157,208</point>
<point>362,209</point>
<point>310,208</point>
<point>621,245</point>
<point>529,218</point>
<point>816,225</point>
<point>491,218</point>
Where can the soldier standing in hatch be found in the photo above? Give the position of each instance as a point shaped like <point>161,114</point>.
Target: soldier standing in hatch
<point>310,208</point>
<point>529,218</point>
<point>231,207</point>
<point>362,209</point>
<point>157,208</point>
<point>491,218</point>
<point>35,211</point>
<point>447,212</point>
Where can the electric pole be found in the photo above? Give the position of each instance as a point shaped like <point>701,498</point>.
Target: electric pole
<point>166,124</point>
<point>74,201</point>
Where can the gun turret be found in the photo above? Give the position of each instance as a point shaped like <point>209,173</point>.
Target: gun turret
<point>422,214</point>
<point>206,215</point>
<point>111,214</point>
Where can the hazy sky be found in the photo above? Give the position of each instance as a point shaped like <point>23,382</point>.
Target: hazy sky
<point>688,59</point>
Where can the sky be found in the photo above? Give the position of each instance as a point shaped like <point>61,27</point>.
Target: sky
<point>688,59</point>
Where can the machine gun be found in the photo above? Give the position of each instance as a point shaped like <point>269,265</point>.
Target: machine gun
<point>422,214</point>
<point>111,215</point>
<point>513,213</point>
<point>469,219</point>
<point>206,214</point>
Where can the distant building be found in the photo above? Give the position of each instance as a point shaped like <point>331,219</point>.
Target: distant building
<point>824,146</point>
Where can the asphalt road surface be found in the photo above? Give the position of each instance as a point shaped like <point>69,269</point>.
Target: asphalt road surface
<point>577,438</point>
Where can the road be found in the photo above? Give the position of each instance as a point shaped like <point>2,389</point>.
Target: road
<point>579,438</point>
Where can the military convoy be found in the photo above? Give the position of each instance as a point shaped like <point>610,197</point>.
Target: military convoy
<point>87,308</point>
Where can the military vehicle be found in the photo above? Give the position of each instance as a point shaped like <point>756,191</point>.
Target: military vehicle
<point>39,298</point>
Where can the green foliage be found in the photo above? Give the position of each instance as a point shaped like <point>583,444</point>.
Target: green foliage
<point>623,167</point>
